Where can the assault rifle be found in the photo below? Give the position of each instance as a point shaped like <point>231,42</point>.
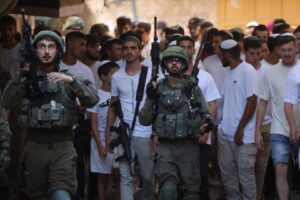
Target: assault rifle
<point>25,48</point>
<point>198,57</point>
<point>28,59</point>
<point>155,54</point>
<point>123,136</point>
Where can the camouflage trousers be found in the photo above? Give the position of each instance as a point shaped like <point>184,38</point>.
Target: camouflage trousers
<point>178,169</point>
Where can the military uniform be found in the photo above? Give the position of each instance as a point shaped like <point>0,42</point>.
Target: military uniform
<point>49,115</point>
<point>5,135</point>
<point>180,111</point>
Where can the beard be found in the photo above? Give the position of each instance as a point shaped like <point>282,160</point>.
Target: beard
<point>225,63</point>
<point>92,56</point>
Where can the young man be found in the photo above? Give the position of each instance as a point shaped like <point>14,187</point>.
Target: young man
<point>297,35</point>
<point>112,50</point>
<point>50,156</point>
<point>236,146</point>
<point>195,28</point>
<point>92,56</point>
<point>261,32</point>
<point>9,47</point>
<point>213,65</point>
<point>253,51</point>
<point>272,90</point>
<point>124,87</point>
<point>272,58</point>
<point>101,161</point>
<point>76,50</point>
<point>124,25</point>
<point>177,126</point>
<point>144,29</point>
<point>211,94</point>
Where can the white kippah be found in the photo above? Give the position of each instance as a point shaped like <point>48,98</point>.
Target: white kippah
<point>274,35</point>
<point>288,34</point>
<point>251,24</point>
<point>228,44</point>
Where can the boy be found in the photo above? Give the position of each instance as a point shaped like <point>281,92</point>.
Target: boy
<point>101,160</point>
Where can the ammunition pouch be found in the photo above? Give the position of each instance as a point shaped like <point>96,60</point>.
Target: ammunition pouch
<point>48,115</point>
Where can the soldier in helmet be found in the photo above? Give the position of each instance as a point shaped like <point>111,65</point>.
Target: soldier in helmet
<point>180,118</point>
<point>44,99</point>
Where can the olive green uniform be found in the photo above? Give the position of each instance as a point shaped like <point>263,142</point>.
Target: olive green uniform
<point>50,159</point>
<point>5,135</point>
<point>177,126</point>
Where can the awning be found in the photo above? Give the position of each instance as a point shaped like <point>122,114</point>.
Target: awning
<point>6,6</point>
<point>50,8</point>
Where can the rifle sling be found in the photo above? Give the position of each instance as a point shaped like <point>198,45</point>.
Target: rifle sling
<point>139,94</point>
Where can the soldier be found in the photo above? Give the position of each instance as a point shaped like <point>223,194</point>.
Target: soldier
<point>45,103</point>
<point>181,110</point>
<point>5,135</point>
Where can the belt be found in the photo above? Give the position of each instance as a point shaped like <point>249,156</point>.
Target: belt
<point>56,145</point>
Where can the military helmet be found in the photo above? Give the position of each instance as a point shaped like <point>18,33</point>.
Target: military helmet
<point>176,52</point>
<point>49,34</point>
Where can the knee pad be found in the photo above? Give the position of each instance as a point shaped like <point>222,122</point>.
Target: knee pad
<point>168,190</point>
<point>60,195</point>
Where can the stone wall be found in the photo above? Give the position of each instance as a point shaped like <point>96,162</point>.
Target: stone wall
<point>171,11</point>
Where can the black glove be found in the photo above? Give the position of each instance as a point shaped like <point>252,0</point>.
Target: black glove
<point>209,123</point>
<point>151,91</point>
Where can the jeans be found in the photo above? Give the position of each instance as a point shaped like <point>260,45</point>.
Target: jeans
<point>141,148</point>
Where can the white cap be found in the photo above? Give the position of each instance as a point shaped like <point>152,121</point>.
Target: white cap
<point>274,35</point>
<point>228,44</point>
<point>288,34</point>
<point>251,24</point>
<point>172,43</point>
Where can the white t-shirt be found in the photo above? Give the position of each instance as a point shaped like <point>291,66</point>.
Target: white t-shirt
<point>239,84</point>
<point>146,51</point>
<point>260,74</point>
<point>101,164</point>
<point>78,69</point>
<point>101,109</point>
<point>272,90</point>
<point>10,59</point>
<point>94,67</point>
<point>213,65</point>
<point>146,62</point>
<point>125,87</point>
<point>208,86</point>
<point>292,93</point>
<point>209,89</point>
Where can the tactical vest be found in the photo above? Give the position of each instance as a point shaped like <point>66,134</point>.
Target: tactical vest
<point>55,107</point>
<point>176,117</point>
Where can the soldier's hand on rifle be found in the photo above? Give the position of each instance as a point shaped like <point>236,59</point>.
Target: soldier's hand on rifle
<point>151,90</point>
<point>56,76</point>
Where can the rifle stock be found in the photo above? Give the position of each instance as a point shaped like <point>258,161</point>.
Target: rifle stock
<point>123,136</point>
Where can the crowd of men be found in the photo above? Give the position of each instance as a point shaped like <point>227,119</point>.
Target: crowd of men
<point>86,109</point>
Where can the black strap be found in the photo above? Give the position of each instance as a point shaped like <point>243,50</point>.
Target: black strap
<point>139,94</point>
